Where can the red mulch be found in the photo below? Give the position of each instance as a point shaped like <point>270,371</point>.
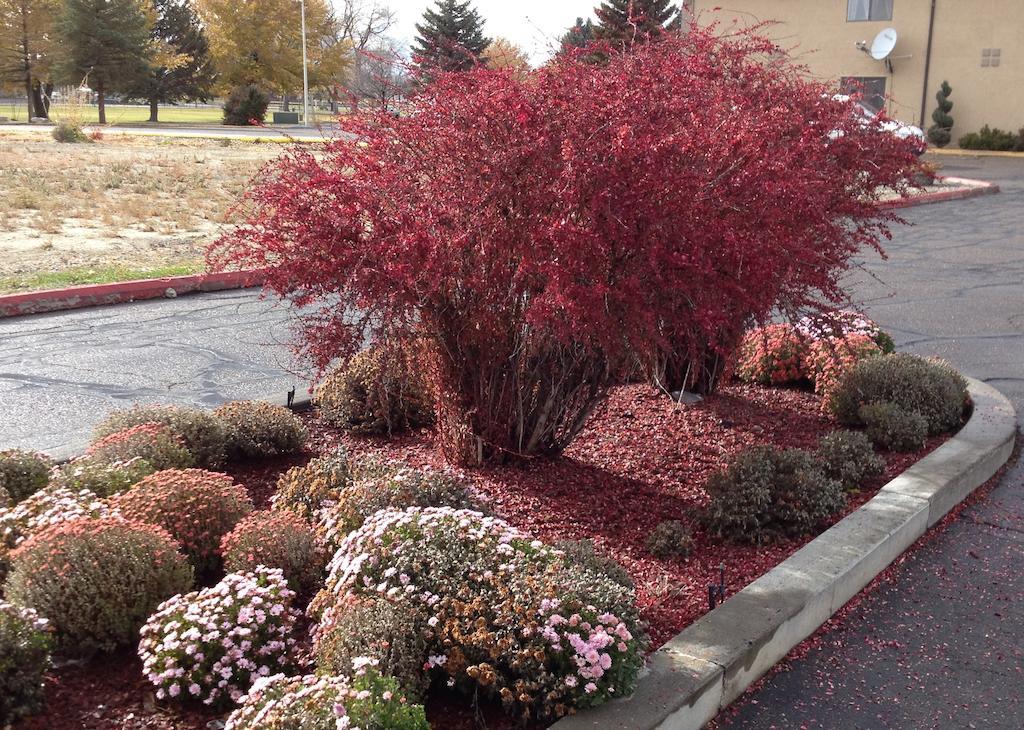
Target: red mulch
<point>641,460</point>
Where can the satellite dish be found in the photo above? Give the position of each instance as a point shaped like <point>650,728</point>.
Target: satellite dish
<point>883,44</point>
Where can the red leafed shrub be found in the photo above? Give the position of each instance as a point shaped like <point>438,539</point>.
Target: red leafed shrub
<point>543,234</point>
<point>829,359</point>
<point>197,507</point>
<point>772,355</point>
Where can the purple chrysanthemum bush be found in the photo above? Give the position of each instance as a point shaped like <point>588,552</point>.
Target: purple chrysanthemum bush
<point>212,644</point>
<point>504,615</point>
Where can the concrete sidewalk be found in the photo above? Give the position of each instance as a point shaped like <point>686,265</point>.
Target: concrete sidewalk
<point>943,645</point>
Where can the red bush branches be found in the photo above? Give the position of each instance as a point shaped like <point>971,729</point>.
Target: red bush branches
<point>545,234</point>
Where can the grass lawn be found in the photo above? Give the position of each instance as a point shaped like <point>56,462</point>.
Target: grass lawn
<point>125,114</point>
<point>92,275</point>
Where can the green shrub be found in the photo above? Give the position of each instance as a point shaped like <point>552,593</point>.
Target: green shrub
<point>258,429</point>
<point>391,486</point>
<point>847,457</point>
<point>305,490</point>
<point>586,554</point>
<point>989,139</point>
<point>5,499</point>
<point>929,387</point>
<point>378,391</point>
<point>940,133</point>
<point>767,493</point>
<point>894,428</point>
<point>370,701</point>
<point>69,133</point>
<point>277,540</point>
<point>151,442</point>
<point>388,632</point>
<point>245,105</point>
<point>97,580</point>
<point>670,539</point>
<point>198,508</point>
<point>25,644</point>
<point>99,477</point>
<point>203,434</point>
<point>23,473</point>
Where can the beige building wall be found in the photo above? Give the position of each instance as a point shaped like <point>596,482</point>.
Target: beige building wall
<point>819,36</point>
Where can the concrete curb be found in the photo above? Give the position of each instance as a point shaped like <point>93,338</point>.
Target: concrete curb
<point>957,152</point>
<point>971,189</point>
<point>689,680</point>
<point>92,295</point>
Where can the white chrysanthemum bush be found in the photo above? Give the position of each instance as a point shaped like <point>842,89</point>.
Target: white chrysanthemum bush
<point>367,701</point>
<point>211,645</point>
<point>503,614</point>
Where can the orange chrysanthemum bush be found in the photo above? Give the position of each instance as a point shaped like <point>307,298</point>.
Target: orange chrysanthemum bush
<point>278,539</point>
<point>150,442</point>
<point>505,615</point>
<point>305,490</point>
<point>97,579</point>
<point>829,359</point>
<point>504,224</point>
<point>197,507</point>
<point>772,355</point>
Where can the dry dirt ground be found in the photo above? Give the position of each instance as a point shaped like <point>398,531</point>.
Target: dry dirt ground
<point>137,202</point>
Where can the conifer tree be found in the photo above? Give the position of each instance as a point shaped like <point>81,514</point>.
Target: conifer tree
<point>580,35</point>
<point>181,69</point>
<point>105,42</point>
<point>625,22</point>
<point>940,133</point>
<point>450,38</point>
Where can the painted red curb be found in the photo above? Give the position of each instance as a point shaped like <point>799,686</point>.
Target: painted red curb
<point>92,295</point>
<point>972,189</point>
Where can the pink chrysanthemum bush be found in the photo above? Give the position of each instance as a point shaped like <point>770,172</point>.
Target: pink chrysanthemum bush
<point>367,701</point>
<point>197,507</point>
<point>505,615</point>
<point>843,323</point>
<point>829,359</point>
<point>212,644</point>
<point>277,540</point>
<point>504,224</point>
<point>97,580</point>
<point>101,477</point>
<point>772,355</point>
<point>151,442</point>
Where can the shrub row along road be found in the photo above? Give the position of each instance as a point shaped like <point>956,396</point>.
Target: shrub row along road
<point>940,647</point>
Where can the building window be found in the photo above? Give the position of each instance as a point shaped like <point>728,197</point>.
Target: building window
<point>991,56</point>
<point>868,10</point>
<point>870,88</point>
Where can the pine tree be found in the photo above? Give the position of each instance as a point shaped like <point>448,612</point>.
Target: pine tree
<point>106,42</point>
<point>580,35</point>
<point>625,22</point>
<point>181,69</point>
<point>450,38</point>
<point>941,132</point>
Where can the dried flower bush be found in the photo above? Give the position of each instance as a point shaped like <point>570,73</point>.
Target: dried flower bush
<point>931,388</point>
<point>772,355</point>
<point>892,427</point>
<point>670,539</point>
<point>378,391</point>
<point>587,555</point>
<point>25,644</point>
<point>212,644</point>
<point>153,443</point>
<point>848,457</point>
<point>23,473</point>
<point>767,493</point>
<point>368,701</point>
<point>506,614</point>
<point>196,507</point>
<point>97,580</point>
<point>257,429</point>
<point>305,490</point>
<point>277,540</point>
<point>203,434</point>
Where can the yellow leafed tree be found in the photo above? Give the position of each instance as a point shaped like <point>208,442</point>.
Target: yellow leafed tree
<point>503,53</point>
<point>260,42</point>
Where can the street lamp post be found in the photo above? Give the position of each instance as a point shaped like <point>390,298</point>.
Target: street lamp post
<point>305,73</point>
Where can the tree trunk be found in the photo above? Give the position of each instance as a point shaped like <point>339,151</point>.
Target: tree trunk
<point>27,65</point>
<point>101,102</point>
<point>39,106</point>
<point>153,110</point>
<point>284,103</point>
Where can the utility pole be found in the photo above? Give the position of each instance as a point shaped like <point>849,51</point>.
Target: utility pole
<point>305,72</point>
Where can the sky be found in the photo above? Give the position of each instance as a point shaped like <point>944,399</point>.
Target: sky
<point>533,25</point>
